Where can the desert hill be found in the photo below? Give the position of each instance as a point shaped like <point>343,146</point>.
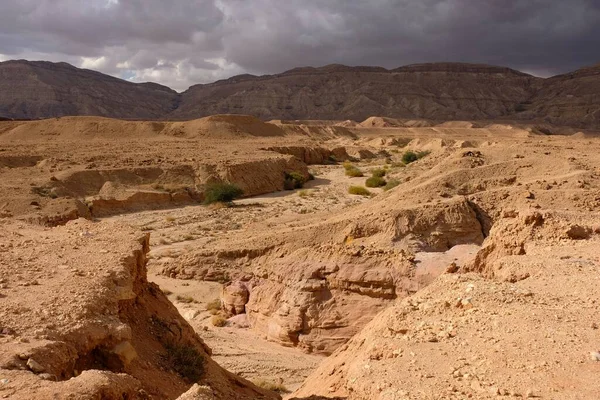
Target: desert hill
<point>442,91</point>
<point>439,91</point>
<point>38,89</point>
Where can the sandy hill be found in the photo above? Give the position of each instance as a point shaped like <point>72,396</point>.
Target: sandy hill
<point>84,128</point>
<point>440,91</point>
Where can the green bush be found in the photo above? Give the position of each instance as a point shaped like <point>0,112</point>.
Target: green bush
<point>374,182</point>
<point>410,156</point>
<point>352,170</point>
<point>391,184</point>
<point>359,190</point>
<point>378,173</point>
<point>186,361</point>
<point>293,180</point>
<point>222,192</point>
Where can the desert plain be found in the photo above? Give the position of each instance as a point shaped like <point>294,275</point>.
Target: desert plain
<point>470,270</point>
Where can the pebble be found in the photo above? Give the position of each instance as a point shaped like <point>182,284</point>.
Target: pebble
<point>47,377</point>
<point>4,381</point>
<point>35,366</point>
<point>595,355</point>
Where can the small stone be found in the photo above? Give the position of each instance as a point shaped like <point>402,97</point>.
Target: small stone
<point>35,366</point>
<point>595,355</point>
<point>466,303</point>
<point>4,381</point>
<point>452,268</point>
<point>126,352</point>
<point>48,377</point>
<point>528,195</point>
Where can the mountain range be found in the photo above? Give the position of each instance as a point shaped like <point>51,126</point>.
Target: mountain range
<point>438,91</point>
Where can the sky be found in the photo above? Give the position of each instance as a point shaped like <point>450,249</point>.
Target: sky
<point>179,43</point>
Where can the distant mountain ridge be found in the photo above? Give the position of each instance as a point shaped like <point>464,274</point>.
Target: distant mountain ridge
<point>441,91</point>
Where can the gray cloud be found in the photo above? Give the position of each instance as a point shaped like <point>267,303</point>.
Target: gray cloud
<point>190,41</point>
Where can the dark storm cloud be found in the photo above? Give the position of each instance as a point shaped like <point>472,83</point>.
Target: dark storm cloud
<point>182,42</point>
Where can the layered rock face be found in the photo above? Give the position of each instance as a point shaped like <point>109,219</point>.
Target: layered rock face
<point>80,320</point>
<point>571,99</point>
<point>440,91</point>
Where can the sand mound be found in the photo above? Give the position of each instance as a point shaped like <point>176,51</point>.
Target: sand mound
<point>381,122</point>
<point>223,126</point>
<point>85,128</point>
<point>459,124</point>
<point>71,128</point>
<point>348,124</point>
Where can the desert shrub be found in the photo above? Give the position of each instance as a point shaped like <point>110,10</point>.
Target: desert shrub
<point>352,170</point>
<point>411,156</point>
<point>304,193</point>
<point>221,192</point>
<point>218,320</point>
<point>379,172</point>
<point>185,299</point>
<point>214,305</point>
<point>186,361</point>
<point>391,184</point>
<point>359,190</point>
<point>272,386</point>
<point>294,180</point>
<point>374,182</point>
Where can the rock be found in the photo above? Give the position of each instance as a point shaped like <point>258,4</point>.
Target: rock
<point>595,356</point>
<point>578,232</point>
<point>528,195</point>
<point>452,268</point>
<point>48,377</point>
<point>234,298</point>
<point>126,352</point>
<point>35,366</point>
<point>190,314</point>
<point>197,392</point>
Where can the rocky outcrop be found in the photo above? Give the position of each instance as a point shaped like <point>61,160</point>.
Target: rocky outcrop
<point>261,176</point>
<point>114,191</point>
<point>316,287</point>
<point>437,343</point>
<point>98,329</point>
<point>234,298</point>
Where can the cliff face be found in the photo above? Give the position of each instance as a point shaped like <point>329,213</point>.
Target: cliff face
<point>440,91</point>
<point>42,90</point>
